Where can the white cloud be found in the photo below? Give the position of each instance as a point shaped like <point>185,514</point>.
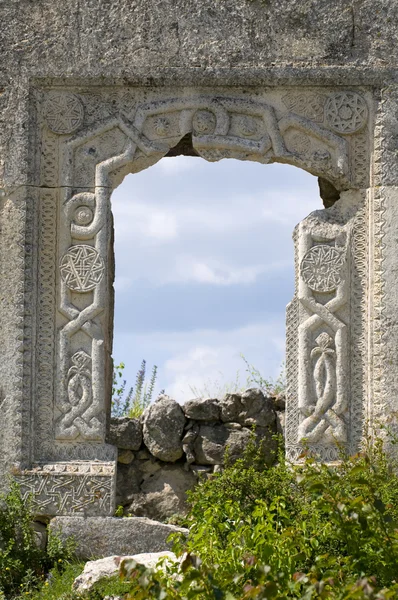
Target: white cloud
<point>185,221</point>
<point>213,271</point>
<point>122,283</point>
<point>285,209</point>
<point>205,361</point>
<point>138,221</point>
<point>176,165</point>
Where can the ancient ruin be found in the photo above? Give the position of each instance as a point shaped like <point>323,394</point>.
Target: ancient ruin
<point>89,94</point>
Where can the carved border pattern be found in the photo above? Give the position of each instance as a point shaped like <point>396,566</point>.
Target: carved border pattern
<point>26,295</point>
<point>379,331</point>
<point>359,327</point>
<point>377,392</point>
<point>49,166</point>
<point>293,450</point>
<point>359,153</point>
<point>23,377</point>
<point>46,317</point>
<point>67,489</point>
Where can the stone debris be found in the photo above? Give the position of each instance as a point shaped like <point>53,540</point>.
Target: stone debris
<point>125,457</point>
<point>164,494</point>
<point>94,571</point>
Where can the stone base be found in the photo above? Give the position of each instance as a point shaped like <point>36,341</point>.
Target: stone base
<point>70,488</point>
<point>99,537</point>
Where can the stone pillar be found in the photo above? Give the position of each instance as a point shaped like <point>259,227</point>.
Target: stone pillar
<point>326,331</point>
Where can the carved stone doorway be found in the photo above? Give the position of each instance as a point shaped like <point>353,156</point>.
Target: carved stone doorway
<point>86,140</point>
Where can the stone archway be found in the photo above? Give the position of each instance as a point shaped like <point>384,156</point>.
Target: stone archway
<point>87,141</point>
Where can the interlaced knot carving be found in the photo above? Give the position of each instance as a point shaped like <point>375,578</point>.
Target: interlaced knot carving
<point>79,414</point>
<point>82,268</point>
<point>321,416</point>
<point>322,397</point>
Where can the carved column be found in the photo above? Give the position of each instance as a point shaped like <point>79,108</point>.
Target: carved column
<point>328,331</point>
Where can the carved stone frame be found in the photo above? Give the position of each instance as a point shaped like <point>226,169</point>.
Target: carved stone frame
<point>86,139</point>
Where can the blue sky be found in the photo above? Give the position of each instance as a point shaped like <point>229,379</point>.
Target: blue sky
<point>204,269</point>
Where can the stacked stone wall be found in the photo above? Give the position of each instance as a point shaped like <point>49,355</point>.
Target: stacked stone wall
<point>164,454</point>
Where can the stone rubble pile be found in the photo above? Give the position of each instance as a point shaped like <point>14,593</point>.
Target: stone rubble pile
<point>162,455</point>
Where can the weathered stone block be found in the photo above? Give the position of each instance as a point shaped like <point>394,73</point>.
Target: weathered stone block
<point>128,481</point>
<point>212,441</point>
<point>97,537</point>
<point>70,488</point>
<point>104,568</point>
<point>202,409</point>
<point>125,433</point>
<point>164,493</point>
<point>163,426</point>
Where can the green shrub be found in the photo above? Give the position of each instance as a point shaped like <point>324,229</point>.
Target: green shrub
<point>58,584</point>
<point>22,563</point>
<point>308,531</point>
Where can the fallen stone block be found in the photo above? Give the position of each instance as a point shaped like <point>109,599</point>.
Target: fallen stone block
<point>103,568</point>
<point>99,537</point>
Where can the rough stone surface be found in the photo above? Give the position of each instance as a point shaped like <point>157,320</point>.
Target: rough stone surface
<point>258,411</point>
<point>231,407</point>
<point>99,537</point>
<point>154,488</point>
<point>200,409</point>
<point>96,570</point>
<point>251,408</point>
<point>40,531</point>
<point>104,568</point>
<point>128,482</point>
<point>125,433</point>
<point>211,443</point>
<point>125,457</point>
<point>163,426</point>
<point>164,493</point>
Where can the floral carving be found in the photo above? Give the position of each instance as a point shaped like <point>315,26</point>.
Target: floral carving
<point>162,126</point>
<point>83,215</point>
<point>79,412</point>
<point>247,126</point>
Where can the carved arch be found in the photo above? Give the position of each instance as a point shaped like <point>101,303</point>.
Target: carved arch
<point>98,158</point>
